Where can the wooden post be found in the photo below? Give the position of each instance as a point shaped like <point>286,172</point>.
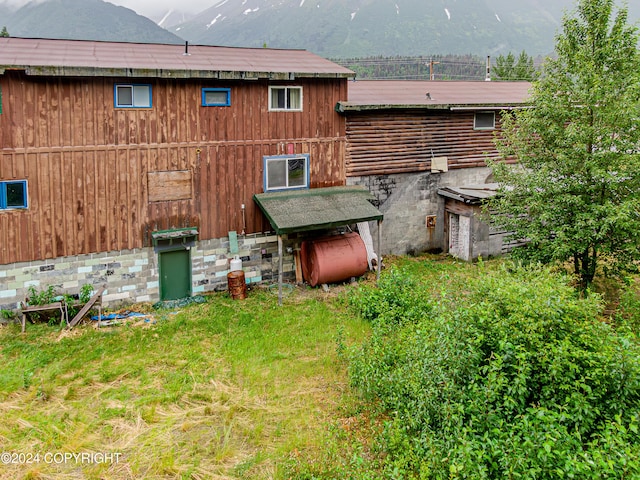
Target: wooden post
<point>379,266</point>
<point>279,269</point>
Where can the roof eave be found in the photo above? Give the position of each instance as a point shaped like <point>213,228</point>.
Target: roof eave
<point>343,107</point>
<point>461,198</point>
<point>166,73</point>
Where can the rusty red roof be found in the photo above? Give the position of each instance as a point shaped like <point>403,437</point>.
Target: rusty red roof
<point>91,58</point>
<point>382,94</point>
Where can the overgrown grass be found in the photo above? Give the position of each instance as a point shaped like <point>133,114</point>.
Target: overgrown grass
<point>224,389</point>
<point>249,390</point>
<point>492,371</point>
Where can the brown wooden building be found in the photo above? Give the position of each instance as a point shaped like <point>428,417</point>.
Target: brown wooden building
<point>408,139</point>
<point>102,144</point>
<point>134,165</point>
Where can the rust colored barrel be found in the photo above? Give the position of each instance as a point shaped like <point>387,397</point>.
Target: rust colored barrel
<point>333,259</point>
<point>237,285</point>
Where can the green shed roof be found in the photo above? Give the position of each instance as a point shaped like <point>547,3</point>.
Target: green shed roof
<point>316,209</point>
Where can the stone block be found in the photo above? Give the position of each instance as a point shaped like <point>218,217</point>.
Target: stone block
<point>8,293</point>
<point>112,297</point>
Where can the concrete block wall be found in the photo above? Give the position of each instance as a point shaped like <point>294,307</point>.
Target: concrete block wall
<point>258,252</point>
<point>131,276</point>
<point>407,199</point>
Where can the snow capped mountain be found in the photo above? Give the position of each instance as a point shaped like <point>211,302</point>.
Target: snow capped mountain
<point>331,28</point>
<point>172,17</point>
<point>343,28</point>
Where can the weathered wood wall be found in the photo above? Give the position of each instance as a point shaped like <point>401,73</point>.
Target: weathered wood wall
<point>87,163</point>
<point>405,141</point>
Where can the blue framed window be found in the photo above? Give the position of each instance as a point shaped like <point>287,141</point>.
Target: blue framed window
<point>132,96</point>
<point>216,97</point>
<point>13,194</point>
<point>286,172</point>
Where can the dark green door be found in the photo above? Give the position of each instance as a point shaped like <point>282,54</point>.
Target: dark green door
<point>175,275</point>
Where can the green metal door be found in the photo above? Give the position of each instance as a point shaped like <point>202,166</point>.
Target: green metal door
<point>175,274</point>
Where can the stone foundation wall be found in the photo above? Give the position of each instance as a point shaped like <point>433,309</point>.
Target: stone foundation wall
<point>407,199</point>
<point>131,276</point>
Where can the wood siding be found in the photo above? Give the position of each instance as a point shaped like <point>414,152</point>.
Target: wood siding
<point>87,163</point>
<point>401,142</point>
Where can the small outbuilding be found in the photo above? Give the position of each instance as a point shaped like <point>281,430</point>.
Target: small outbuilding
<point>468,235</point>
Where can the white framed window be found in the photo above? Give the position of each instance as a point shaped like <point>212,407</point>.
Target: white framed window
<point>132,96</point>
<point>285,98</point>
<point>216,97</point>
<point>13,194</point>
<point>484,121</point>
<point>286,172</point>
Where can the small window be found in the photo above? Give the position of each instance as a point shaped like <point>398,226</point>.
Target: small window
<point>133,96</point>
<point>13,194</point>
<point>285,98</point>
<point>216,97</point>
<point>286,172</point>
<point>484,121</point>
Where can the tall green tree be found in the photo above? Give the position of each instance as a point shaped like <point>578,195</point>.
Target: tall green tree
<point>575,191</point>
<point>4,32</point>
<point>508,68</point>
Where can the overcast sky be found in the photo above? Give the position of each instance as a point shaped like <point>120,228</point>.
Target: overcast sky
<point>149,7</point>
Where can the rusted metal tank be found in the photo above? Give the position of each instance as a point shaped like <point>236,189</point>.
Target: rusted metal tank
<point>333,259</point>
<point>237,285</point>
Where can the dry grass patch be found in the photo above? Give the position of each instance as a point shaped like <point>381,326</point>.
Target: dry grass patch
<point>224,389</point>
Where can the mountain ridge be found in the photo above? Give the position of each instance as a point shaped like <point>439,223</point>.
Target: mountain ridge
<point>330,28</point>
<point>356,28</point>
<point>91,20</point>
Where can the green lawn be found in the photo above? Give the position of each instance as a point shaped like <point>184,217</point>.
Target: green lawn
<point>223,389</point>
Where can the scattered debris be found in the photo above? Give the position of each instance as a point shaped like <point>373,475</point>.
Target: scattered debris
<point>182,302</point>
<point>117,318</point>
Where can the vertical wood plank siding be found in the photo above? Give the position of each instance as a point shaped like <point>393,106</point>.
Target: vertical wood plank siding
<point>399,142</point>
<point>86,162</point>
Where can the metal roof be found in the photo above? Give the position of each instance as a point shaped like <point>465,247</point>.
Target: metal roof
<point>317,208</point>
<point>92,58</point>
<point>470,194</point>
<point>424,94</point>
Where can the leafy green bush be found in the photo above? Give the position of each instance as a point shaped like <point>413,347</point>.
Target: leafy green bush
<point>628,311</point>
<point>399,298</point>
<point>41,297</point>
<point>520,380</point>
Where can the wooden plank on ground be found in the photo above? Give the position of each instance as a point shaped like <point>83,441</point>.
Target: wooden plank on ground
<point>97,296</point>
